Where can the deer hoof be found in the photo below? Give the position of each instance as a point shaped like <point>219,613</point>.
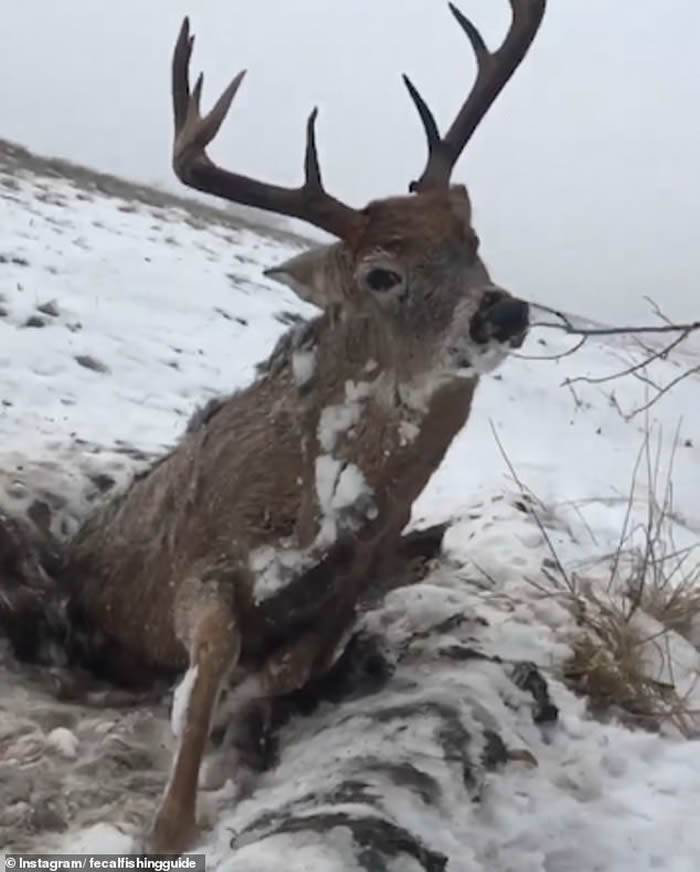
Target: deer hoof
<point>173,832</point>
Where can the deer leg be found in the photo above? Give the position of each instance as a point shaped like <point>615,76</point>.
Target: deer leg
<point>285,671</point>
<point>213,640</point>
<point>288,669</point>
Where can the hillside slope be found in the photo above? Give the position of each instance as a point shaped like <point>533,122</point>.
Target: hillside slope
<point>117,318</point>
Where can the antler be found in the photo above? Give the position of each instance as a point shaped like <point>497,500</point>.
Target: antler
<point>494,70</point>
<point>193,166</point>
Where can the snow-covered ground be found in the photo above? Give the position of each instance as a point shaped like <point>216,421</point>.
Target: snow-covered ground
<point>118,318</point>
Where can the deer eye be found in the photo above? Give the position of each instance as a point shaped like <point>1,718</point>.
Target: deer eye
<point>379,279</point>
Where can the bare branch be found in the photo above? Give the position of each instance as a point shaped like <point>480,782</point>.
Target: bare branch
<point>631,369</point>
<point>694,370</point>
<point>636,369</point>
<point>567,325</point>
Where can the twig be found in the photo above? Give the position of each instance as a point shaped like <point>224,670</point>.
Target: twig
<point>538,521</point>
<point>695,370</point>
<point>568,326</point>
<point>559,356</point>
<point>631,369</point>
<point>638,369</point>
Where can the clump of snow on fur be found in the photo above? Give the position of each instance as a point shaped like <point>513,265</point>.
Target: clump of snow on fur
<point>328,471</point>
<point>338,419</point>
<point>344,497</point>
<point>303,367</point>
<point>350,489</point>
<point>181,701</point>
<point>408,432</point>
<point>274,568</point>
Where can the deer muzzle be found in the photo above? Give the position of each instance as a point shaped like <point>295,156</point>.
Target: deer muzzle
<point>479,341</point>
<point>500,318</point>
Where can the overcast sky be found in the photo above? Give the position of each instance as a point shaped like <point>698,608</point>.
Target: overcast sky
<point>584,176</point>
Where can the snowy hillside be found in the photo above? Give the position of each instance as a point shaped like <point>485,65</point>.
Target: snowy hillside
<point>117,318</point>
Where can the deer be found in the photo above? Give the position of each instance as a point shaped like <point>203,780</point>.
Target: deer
<point>239,558</point>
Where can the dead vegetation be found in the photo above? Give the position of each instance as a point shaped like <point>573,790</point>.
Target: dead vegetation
<point>637,608</point>
<point>16,160</point>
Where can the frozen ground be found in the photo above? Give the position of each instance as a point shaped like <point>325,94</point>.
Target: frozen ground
<point>117,318</point>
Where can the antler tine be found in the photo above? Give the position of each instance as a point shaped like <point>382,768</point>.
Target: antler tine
<point>312,169</point>
<point>426,116</point>
<point>180,74</point>
<point>494,69</point>
<point>194,167</point>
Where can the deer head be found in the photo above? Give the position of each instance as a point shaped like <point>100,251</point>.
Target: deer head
<point>409,265</point>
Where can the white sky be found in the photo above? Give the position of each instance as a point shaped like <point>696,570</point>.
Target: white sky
<point>584,176</point>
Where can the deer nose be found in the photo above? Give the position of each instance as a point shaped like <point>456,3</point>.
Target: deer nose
<point>500,317</point>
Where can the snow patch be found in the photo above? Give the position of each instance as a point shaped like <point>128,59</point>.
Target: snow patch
<point>64,741</point>
<point>181,701</point>
<point>97,839</point>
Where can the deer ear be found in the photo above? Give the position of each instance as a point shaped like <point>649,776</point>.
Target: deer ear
<point>312,276</point>
<point>460,202</point>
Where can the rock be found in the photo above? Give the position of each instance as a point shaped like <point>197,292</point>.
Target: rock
<point>102,482</point>
<point>90,362</point>
<point>49,308</point>
<point>35,321</point>
<point>17,261</point>
<point>528,677</point>
<point>40,513</point>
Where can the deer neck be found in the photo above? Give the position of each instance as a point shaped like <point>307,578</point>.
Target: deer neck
<point>374,430</point>
<point>352,359</point>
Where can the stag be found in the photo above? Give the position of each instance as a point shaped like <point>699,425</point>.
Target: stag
<point>240,557</point>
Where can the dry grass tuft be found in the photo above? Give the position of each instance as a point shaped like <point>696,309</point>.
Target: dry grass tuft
<point>610,665</point>
<point>628,659</point>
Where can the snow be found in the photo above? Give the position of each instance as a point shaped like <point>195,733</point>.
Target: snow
<point>343,494</point>
<point>169,312</point>
<point>350,489</point>
<point>274,568</point>
<point>408,432</point>
<point>181,701</point>
<point>64,741</point>
<point>303,367</point>
<point>337,420</point>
